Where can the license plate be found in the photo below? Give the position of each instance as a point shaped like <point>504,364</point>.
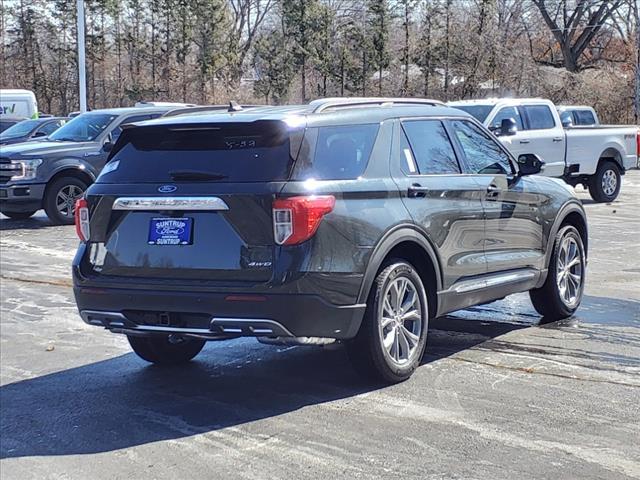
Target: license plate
<point>170,231</point>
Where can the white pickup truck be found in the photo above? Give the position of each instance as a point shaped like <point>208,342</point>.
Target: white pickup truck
<point>595,156</point>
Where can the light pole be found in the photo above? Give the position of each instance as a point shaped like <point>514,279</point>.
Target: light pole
<point>82,71</point>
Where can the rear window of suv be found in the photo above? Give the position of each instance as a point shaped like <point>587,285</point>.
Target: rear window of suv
<point>257,152</point>
<point>262,151</point>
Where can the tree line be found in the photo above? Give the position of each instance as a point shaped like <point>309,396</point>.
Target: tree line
<point>286,51</point>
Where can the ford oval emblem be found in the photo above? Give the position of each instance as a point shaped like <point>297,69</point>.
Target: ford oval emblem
<point>167,188</point>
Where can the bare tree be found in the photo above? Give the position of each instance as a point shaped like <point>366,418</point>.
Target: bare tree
<point>574,29</point>
<point>208,50</point>
<point>247,17</point>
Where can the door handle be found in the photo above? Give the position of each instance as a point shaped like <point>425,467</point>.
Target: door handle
<point>493,190</point>
<point>416,190</point>
<point>558,139</point>
<point>524,142</point>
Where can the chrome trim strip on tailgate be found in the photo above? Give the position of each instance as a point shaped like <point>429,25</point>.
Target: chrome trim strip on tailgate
<point>170,203</point>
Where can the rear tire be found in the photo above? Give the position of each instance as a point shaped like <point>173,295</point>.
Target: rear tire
<point>561,294</point>
<point>604,185</point>
<point>393,335</point>
<point>162,351</point>
<point>60,198</point>
<point>18,215</point>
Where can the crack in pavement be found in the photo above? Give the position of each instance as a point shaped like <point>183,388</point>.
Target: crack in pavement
<point>55,283</point>
<point>549,374</point>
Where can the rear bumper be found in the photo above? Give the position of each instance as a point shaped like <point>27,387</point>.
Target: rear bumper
<point>217,315</point>
<point>21,197</point>
<point>631,161</point>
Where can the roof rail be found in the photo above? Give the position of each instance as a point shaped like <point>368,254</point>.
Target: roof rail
<point>324,104</point>
<point>203,108</point>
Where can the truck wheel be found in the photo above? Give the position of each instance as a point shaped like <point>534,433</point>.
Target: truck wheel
<point>166,350</point>
<point>18,215</point>
<point>561,293</point>
<point>393,334</point>
<point>605,185</point>
<point>60,199</point>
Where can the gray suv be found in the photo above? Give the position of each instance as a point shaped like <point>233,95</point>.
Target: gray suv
<point>53,173</point>
<point>350,220</point>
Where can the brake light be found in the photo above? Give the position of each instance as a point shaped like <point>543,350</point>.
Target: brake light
<point>296,219</point>
<point>82,219</point>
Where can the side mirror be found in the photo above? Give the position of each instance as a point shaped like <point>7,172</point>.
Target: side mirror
<point>529,164</point>
<point>507,127</point>
<point>39,134</point>
<point>107,146</point>
<point>567,123</point>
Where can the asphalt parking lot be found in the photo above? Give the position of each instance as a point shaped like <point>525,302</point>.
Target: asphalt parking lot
<point>498,395</point>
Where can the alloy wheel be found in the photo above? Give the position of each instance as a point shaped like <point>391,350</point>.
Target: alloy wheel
<point>400,323</point>
<point>609,182</point>
<point>66,199</point>
<point>570,272</point>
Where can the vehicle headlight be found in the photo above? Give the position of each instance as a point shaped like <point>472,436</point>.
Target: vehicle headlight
<point>24,169</point>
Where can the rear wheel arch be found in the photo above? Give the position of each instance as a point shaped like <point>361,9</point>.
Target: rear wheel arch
<point>611,154</point>
<point>580,223</point>
<point>570,214</point>
<point>406,243</point>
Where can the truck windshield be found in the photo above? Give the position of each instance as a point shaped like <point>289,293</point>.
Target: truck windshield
<point>19,129</point>
<point>83,128</point>
<point>479,111</point>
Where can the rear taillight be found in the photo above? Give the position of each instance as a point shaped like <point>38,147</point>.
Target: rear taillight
<point>82,219</point>
<point>296,219</point>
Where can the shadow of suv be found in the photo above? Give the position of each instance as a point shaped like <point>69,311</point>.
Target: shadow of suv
<point>352,220</point>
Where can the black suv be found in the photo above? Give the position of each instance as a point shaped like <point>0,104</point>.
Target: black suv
<point>352,220</point>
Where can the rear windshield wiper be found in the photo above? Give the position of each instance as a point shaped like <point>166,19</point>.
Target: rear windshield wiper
<point>195,176</point>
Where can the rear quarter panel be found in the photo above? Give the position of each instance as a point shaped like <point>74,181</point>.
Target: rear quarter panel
<point>559,199</point>
<point>586,145</point>
<point>366,208</point>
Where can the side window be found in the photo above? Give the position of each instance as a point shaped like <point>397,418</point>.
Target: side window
<point>136,118</point>
<point>431,148</point>
<point>566,118</point>
<point>540,117</point>
<point>508,112</point>
<point>484,155</point>
<point>335,152</point>
<point>49,128</point>
<point>585,117</point>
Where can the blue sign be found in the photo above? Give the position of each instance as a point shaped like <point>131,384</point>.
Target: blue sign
<point>170,231</point>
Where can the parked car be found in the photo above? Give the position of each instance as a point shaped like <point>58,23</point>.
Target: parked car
<point>353,220</point>
<point>595,157</point>
<point>31,129</point>
<point>8,121</point>
<point>18,103</point>
<point>578,116</point>
<point>54,172</point>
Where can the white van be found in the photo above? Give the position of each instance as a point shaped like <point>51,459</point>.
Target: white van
<point>18,103</point>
